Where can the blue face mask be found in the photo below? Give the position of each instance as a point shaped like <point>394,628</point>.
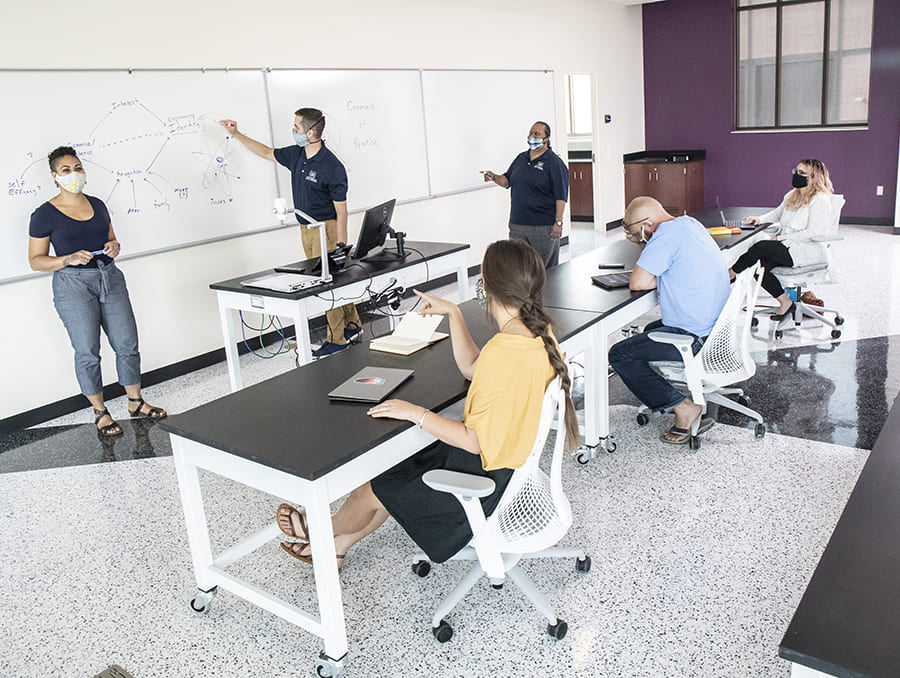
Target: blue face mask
<point>300,139</point>
<point>534,143</point>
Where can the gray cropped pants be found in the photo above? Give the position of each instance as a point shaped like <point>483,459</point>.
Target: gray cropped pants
<point>539,238</point>
<point>86,300</point>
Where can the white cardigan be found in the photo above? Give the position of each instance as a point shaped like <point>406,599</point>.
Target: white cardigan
<point>799,226</point>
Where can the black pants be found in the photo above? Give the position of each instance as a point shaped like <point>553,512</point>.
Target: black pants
<point>769,253</point>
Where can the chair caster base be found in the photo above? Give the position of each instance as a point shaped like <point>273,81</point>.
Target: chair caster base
<point>558,630</point>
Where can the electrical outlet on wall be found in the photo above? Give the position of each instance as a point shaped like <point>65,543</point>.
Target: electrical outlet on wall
<point>879,190</point>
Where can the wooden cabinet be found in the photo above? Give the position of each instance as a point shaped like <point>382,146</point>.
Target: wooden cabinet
<point>677,185</point>
<point>581,191</point>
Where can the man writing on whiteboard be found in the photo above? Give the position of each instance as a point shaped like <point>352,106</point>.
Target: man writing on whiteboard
<point>319,187</point>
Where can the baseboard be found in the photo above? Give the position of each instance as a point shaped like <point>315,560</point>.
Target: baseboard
<point>74,403</point>
<point>868,221</point>
<point>613,225</point>
<point>581,218</point>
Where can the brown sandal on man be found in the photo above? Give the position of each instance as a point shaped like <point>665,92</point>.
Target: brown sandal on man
<point>291,522</point>
<point>110,430</point>
<point>152,413</point>
<point>296,548</point>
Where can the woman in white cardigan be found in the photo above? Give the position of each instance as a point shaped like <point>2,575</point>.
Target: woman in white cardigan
<point>805,212</point>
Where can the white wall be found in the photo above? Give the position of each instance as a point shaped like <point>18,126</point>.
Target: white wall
<point>176,311</point>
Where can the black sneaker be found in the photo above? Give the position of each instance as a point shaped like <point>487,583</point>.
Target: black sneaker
<point>352,331</point>
<point>329,348</point>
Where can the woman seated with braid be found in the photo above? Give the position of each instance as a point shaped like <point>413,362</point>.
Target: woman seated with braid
<point>502,411</point>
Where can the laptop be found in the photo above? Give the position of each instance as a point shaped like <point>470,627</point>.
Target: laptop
<point>282,282</point>
<point>612,281</point>
<point>370,385</point>
<point>733,223</point>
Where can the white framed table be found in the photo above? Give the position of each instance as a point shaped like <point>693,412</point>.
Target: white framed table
<point>426,260</point>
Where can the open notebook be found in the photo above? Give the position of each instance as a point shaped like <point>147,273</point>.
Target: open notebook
<point>414,332</point>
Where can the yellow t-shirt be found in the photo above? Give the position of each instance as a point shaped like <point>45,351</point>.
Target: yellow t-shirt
<point>504,401</point>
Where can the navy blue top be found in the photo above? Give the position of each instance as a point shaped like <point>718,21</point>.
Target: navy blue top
<point>68,235</point>
<point>536,185</point>
<point>317,182</point>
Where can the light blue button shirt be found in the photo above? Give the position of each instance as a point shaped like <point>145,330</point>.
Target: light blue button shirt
<point>690,274</point>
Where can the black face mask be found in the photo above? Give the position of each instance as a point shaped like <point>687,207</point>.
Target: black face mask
<point>799,181</point>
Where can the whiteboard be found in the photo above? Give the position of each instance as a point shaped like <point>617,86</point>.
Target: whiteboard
<point>151,147</point>
<point>479,120</point>
<point>373,123</point>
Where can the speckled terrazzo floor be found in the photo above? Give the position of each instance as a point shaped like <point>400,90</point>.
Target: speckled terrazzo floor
<point>698,562</point>
<point>700,558</point>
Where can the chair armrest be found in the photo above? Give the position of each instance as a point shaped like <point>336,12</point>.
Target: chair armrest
<point>825,238</point>
<point>454,482</point>
<point>677,340</point>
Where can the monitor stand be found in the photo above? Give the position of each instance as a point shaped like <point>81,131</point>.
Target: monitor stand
<point>384,256</point>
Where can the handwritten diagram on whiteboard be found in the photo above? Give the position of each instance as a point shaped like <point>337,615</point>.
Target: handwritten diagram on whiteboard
<point>152,150</point>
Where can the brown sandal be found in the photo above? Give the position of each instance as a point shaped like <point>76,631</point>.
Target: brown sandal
<point>107,431</point>
<point>295,548</point>
<point>296,522</point>
<point>152,413</point>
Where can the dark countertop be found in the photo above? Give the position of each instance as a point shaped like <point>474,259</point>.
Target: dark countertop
<point>288,423</point>
<point>665,156</point>
<point>355,270</point>
<point>848,621</point>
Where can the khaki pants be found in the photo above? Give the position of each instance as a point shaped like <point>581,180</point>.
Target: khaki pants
<point>337,318</point>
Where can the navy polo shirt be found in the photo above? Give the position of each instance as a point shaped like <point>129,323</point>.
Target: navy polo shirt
<point>68,235</point>
<point>536,185</point>
<point>316,183</point>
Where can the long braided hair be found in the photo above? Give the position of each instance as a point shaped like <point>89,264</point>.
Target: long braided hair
<point>514,276</point>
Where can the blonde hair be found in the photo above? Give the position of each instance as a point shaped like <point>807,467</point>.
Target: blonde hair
<point>818,182</point>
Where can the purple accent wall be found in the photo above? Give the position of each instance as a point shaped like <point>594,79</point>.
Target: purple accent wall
<point>689,103</point>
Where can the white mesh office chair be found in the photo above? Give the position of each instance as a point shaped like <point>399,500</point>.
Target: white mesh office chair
<point>532,516</point>
<point>799,277</point>
<point>723,360</point>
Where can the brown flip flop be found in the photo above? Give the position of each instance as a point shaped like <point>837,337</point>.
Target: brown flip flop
<point>295,549</point>
<point>289,512</point>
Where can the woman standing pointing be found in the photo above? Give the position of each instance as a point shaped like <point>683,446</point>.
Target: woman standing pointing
<point>539,182</point>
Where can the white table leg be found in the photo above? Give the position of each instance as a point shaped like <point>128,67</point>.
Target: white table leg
<point>328,585</point>
<point>194,515</point>
<point>226,317</point>
<point>462,282</point>
<point>301,331</point>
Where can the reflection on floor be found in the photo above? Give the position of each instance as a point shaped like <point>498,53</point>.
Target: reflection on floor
<point>700,557</point>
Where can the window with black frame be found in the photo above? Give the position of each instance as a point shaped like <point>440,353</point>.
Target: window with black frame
<point>802,63</point>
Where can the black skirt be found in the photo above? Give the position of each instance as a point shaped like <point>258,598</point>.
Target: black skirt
<point>435,520</point>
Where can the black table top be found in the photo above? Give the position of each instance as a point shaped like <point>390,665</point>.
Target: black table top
<point>354,272</point>
<point>712,217</point>
<point>848,621</point>
<point>288,423</point>
<point>569,286</point>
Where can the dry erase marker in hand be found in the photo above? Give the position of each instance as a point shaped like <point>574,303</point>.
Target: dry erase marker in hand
<point>100,252</point>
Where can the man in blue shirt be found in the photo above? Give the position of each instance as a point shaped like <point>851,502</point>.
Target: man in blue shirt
<point>683,262</point>
<point>319,187</point>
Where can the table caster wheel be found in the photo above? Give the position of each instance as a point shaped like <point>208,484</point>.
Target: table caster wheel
<point>443,632</point>
<point>610,447</point>
<point>582,458</point>
<point>583,564</point>
<point>200,603</point>
<point>421,568</point>
<point>760,430</point>
<point>326,667</point>
<point>558,630</point>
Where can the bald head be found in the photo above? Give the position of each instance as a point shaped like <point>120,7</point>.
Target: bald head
<point>645,207</point>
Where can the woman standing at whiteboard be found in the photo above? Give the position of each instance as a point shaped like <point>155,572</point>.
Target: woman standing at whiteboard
<point>89,291</point>
<point>539,181</point>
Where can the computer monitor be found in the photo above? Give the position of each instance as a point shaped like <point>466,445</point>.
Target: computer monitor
<point>376,227</point>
